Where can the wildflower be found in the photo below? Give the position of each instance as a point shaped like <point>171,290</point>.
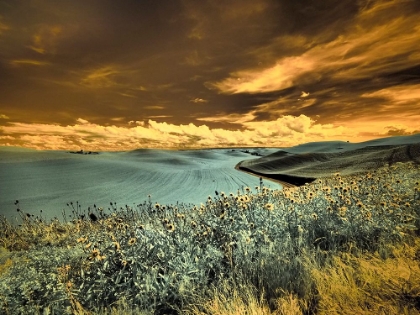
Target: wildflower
<point>170,227</point>
<point>69,285</point>
<point>251,225</point>
<point>81,240</point>
<point>315,216</point>
<point>359,204</point>
<point>269,206</point>
<point>94,253</point>
<point>407,205</point>
<point>226,205</point>
<point>342,211</point>
<point>193,224</point>
<point>117,245</point>
<point>124,262</point>
<point>247,189</point>
<point>300,229</point>
<point>157,206</point>
<point>132,241</point>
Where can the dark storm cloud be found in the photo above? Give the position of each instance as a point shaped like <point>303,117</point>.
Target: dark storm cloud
<point>226,64</point>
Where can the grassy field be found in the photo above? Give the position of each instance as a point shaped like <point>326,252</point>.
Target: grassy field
<point>340,245</point>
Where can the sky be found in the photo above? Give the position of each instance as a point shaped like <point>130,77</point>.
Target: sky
<point>111,75</point>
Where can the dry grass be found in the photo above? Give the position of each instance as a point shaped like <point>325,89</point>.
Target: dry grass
<point>369,284</point>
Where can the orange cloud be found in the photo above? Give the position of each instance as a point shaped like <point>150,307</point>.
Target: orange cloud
<point>277,77</point>
<point>285,131</point>
<point>103,77</point>
<point>44,40</point>
<point>3,27</point>
<point>363,50</point>
<point>29,62</point>
<point>399,102</point>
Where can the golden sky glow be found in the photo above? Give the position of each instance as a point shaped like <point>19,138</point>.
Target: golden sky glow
<point>113,75</point>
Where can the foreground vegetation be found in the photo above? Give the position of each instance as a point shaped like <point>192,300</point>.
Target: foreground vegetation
<point>339,245</point>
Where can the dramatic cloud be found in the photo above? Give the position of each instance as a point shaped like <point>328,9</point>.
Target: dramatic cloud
<point>285,131</point>
<point>206,73</point>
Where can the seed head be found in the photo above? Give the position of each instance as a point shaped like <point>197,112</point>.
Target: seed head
<point>170,227</point>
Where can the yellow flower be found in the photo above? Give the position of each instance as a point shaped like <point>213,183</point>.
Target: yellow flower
<point>81,240</point>
<point>117,245</point>
<point>315,216</point>
<point>342,211</point>
<point>94,253</point>
<point>368,215</point>
<point>269,206</point>
<point>170,227</point>
<point>132,241</point>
